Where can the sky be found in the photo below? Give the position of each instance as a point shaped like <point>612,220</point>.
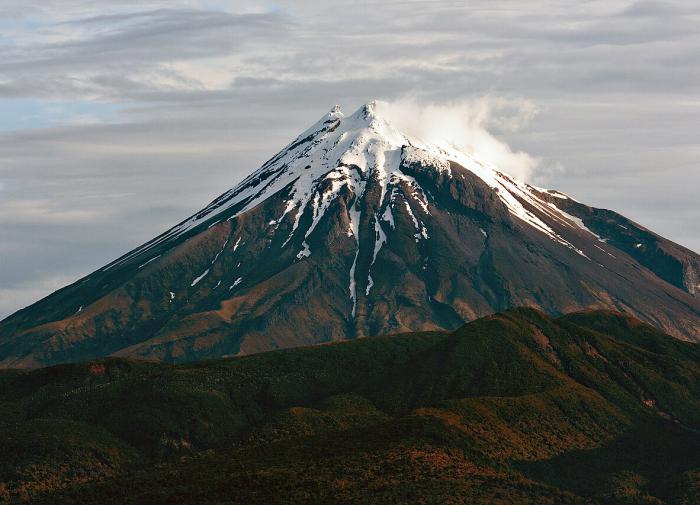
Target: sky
<point>118,119</point>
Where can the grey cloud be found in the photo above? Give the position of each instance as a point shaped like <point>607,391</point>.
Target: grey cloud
<point>615,82</point>
<point>655,9</point>
<point>104,59</point>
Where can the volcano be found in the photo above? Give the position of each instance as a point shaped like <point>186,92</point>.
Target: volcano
<point>356,229</point>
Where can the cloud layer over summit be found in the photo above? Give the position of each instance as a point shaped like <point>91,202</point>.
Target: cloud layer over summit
<point>120,118</point>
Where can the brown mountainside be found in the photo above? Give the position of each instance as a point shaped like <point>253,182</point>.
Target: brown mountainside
<point>354,230</point>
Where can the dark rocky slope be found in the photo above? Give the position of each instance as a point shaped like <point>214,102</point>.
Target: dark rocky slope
<point>356,230</point>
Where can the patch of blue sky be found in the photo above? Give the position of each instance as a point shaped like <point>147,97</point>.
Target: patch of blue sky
<point>23,114</point>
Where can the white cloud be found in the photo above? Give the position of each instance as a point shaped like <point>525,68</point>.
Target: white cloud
<point>466,124</point>
<point>185,97</point>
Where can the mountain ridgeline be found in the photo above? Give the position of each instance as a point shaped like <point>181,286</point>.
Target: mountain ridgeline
<point>356,229</point>
<point>517,407</point>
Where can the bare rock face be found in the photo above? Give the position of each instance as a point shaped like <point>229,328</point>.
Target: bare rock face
<point>353,230</point>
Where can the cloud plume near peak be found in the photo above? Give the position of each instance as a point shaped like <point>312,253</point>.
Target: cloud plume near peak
<point>120,118</point>
<point>469,125</point>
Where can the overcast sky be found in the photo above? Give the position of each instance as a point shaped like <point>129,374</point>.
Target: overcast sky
<point>120,118</point>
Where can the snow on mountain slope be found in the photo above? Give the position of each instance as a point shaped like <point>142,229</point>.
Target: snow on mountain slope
<point>356,229</point>
<point>348,150</point>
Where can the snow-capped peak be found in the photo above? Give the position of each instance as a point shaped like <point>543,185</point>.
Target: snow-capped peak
<point>340,151</point>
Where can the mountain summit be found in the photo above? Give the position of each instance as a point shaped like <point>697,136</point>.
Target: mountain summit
<point>357,229</point>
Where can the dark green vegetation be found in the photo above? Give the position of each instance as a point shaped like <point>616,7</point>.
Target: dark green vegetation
<point>513,408</point>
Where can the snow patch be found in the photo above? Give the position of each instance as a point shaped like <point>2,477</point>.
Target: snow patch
<point>379,239</point>
<point>194,282</point>
<point>557,194</point>
<point>370,283</point>
<point>353,284</point>
<point>579,222</point>
<point>416,224</point>
<point>305,252</point>
<point>149,261</point>
<point>223,248</point>
<point>354,216</point>
<point>426,159</point>
<point>389,217</point>
<point>341,153</point>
